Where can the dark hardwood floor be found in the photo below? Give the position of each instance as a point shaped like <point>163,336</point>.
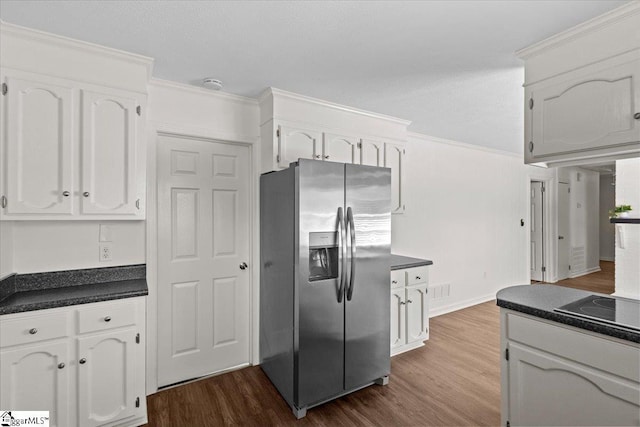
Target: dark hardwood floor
<point>452,381</point>
<point>602,281</point>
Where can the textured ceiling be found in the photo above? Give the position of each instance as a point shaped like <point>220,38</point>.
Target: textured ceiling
<point>449,66</point>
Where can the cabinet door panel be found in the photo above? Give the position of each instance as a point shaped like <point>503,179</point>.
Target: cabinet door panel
<point>39,156</point>
<point>32,380</point>
<point>295,143</point>
<point>371,153</point>
<point>108,154</point>
<point>394,159</point>
<point>338,148</point>
<point>398,324</point>
<point>417,314</point>
<point>588,112</point>
<point>106,381</point>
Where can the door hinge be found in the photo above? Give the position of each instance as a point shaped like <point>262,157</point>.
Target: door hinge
<point>3,202</point>
<point>544,269</point>
<point>530,103</point>
<point>542,187</point>
<point>137,402</point>
<point>278,158</point>
<point>531,146</point>
<point>404,151</point>
<point>137,338</point>
<point>508,424</point>
<point>569,267</point>
<point>506,354</point>
<point>278,133</point>
<point>569,190</point>
<point>139,110</point>
<point>5,88</point>
<point>359,144</point>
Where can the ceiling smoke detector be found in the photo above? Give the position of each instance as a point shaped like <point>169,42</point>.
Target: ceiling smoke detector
<point>211,83</point>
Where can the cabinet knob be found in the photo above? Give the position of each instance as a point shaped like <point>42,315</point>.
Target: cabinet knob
<point>85,194</point>
<point>66,193</point>
<point>243,266</point>
<point>33,331</point>
<point>82,361</point>
<point>409,301</point>
<point>61,365</point>
<point>636,116</point>
<point>402,303</point>
<point>107,319</point>
<point>418,278</point>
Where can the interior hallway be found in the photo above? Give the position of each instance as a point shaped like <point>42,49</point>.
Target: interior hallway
<point>602,281</point>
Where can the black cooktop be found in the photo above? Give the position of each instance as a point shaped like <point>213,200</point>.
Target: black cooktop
<point>619,312</point>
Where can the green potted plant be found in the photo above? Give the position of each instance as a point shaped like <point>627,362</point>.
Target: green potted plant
<point>621,211</point>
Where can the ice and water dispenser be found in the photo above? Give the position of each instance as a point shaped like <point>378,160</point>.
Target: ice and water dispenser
<point>323,256</point>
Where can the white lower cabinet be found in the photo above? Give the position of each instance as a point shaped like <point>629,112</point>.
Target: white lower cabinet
<point>560,375</point>
<point>90,374</point>
<point>409,309</point>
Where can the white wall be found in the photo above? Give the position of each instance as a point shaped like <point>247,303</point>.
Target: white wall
<point>606,229</point>
<point>464,207</point>
<point>584,213</point>
<point>6,248</point>
<point>68,245</point>
<point>628,235</point>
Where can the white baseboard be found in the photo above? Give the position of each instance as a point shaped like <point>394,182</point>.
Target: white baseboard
<point>460,305</point>
<point>607,259</point>
<point>626,295</point>
<point>573,275</point>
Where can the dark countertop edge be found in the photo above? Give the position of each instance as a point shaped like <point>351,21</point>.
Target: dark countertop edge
<point>600,328</point>
<point>624,220</point>
<point>399,262</point>
<point>22,308</point>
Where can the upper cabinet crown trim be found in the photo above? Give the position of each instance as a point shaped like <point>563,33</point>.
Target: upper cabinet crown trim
<point>202,91</point>
<point>580,30</point>
<point>274,93</point>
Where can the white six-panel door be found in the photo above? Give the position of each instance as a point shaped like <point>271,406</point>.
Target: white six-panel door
<point>203,239</point>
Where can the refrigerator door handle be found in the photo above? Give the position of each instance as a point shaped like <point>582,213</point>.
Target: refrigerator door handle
<point>342,254</point>
<point>352,261</point>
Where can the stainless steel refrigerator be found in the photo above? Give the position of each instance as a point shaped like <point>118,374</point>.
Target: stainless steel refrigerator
<point>325,238</point>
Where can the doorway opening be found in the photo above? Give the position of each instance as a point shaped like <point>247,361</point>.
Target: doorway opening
<point>538,268</point>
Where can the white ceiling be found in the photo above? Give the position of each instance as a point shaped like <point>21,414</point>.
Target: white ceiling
<point>449,66</point>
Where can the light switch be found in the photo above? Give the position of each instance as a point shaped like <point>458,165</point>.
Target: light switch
<point>105,233</point>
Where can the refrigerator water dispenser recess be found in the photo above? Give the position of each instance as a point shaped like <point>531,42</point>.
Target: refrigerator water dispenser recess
<point>323,256</point>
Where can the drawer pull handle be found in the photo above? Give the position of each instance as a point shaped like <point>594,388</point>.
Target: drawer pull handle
<point>83,361</point>
<point>395,282</point>
<point>107,319</point>
<point>61,366</point>
<point>418,278</point>
<point>33,331</point>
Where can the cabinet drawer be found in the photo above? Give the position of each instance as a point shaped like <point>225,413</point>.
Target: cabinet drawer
<point>109,316</point>
<point>397,278</point>
<point>32,329</point>
<point>417,275</point>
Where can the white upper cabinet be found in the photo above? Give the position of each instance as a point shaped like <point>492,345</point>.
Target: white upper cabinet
<point>109,154</point>
<point>340,148</point>
<point>371,153</point>
<point>394,158</point>
<point>39,147</point>
<point>295,143</point>
<point>590,111</point>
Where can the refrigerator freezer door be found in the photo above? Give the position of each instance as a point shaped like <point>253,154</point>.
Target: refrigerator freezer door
<point>319,338</point>
<point>367,311</point>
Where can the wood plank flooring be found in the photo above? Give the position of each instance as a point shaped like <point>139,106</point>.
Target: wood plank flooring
<point>602,281</point>
<point>452,381</point>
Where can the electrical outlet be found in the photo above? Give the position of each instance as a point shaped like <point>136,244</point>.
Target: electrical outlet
<point>106,252</point>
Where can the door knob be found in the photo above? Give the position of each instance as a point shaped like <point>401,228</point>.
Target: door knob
<point>636,116</point>
<point>243,266</point>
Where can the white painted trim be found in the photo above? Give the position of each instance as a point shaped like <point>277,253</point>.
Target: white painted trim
<point>625,295</point>
<point>460,305</point>
<point>407,347</point>
<point>573,275</point>
<point>211,375</point>
<point>80,45</point>
<point>450,142</point>
<point>202,91</point>
<point>604,258</point>
<point>176,129</point>
<point>580,30</point>
<point>279,93</point>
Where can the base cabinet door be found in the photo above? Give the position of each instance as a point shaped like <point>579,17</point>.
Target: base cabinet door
<point>417,313</point>
<point>106,380</point>
<point>36,378</point>
<point>546,390</point>
<point>398,324</point>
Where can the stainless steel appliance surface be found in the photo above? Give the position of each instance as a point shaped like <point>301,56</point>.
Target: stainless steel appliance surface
<point>324,286</point>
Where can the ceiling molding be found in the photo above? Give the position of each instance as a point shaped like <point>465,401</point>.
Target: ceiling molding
<point>8,29</point>
<point>279,93</point>
<point>429,138</point>
<point>592,25</point>
<point>202,91</point>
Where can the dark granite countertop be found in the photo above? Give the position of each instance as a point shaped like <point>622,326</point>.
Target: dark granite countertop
<point>39,291</point>
<point>541,300</point>
<point>398,262</point>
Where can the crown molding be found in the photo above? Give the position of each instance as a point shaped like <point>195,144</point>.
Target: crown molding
<point>8,29</point>
<point>450,142</point>
<point>592,25</point>
<point>202,91</point>
<point>279,93</point>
